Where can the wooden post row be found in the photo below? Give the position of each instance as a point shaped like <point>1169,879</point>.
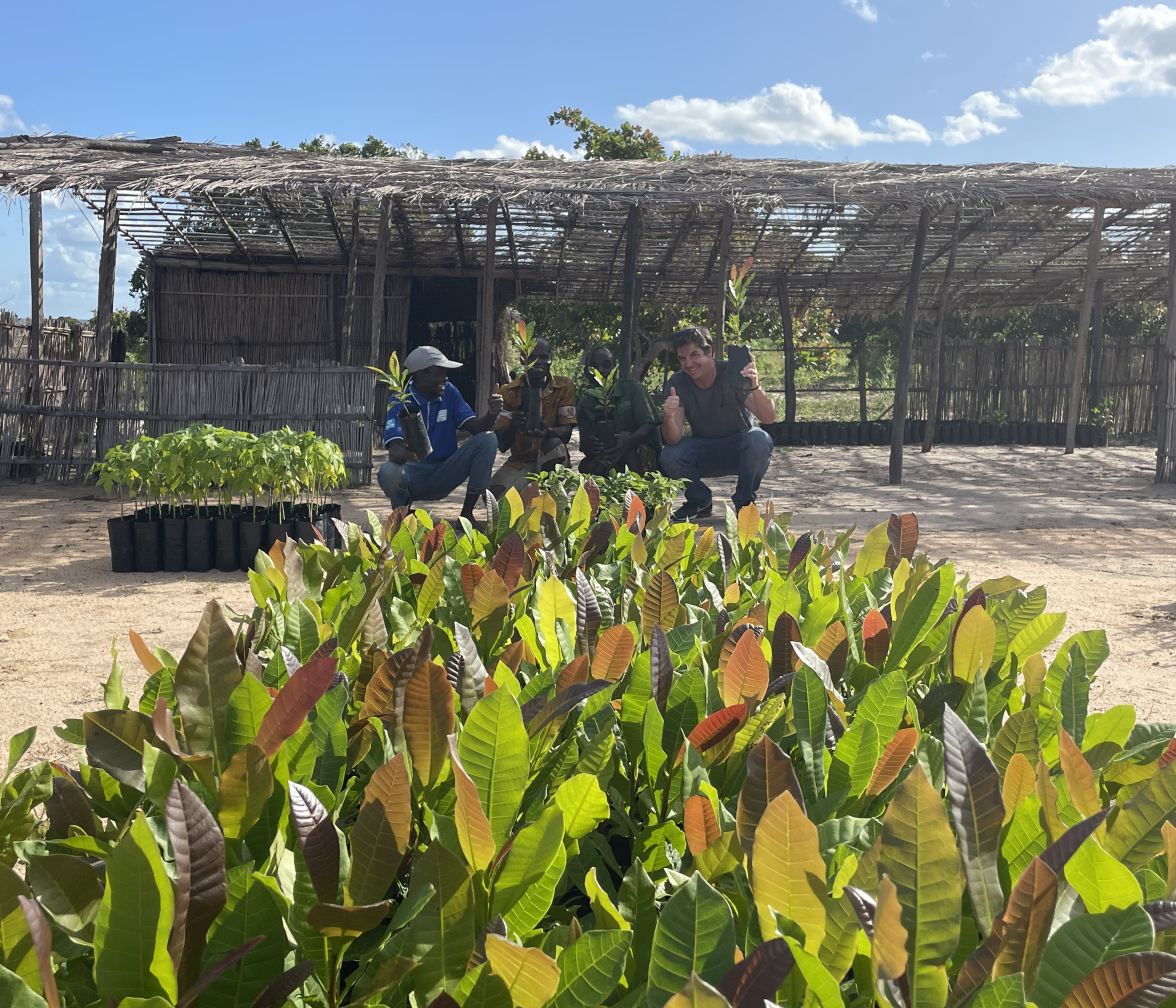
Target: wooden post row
<point>1078,364</point>
<point>352,274</point>
<point>36,277</point>
<point>789,349</point>
<point>902,381</point>
<point>937,347</point>
<point>631,289</point>
<point>1166,439</point>
<point>106,267</point>
<point>378,280</point>
<point>723,253</point>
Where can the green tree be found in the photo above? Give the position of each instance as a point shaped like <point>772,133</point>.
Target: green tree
<point>627,142</point>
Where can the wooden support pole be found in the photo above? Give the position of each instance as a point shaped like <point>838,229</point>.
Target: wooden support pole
<point>349,297</point>
<point>36,277</point>
<point>1166,428</point>
<point>724,253</point>
<point>1094,388</point>
<point>937,344</point>
<point>789,348</point>
<point>863,402</point>
<point>106,266</point>
<point>1078,365</point>
<point>486,318</point>
<point>378,280</point>
<point>631,289</point>
<point>902,380</point>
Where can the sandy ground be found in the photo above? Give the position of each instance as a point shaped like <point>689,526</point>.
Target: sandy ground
<point>1091,527</point>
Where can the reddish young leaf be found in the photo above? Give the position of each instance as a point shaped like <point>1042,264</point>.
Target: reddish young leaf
<point>784,659</point>
<point>748,984</point>
<point>587,615</point>
<point>294,701</point>
<point>892,760</point>
<point>875,638</point>
<point>700,824</point>
<point>614,652</point>
<point>428,720</point>
<point>514,654</point>
<point>434,542</point>
<point>593,492</point>
<point>471,574</point>
<point>528,493</point>
<point>319,843</point>
<point>575,671</point>
<point>219,968</point>
<point>769,774</point>
<point>281,987</point>
<point>150,663</point>
<point>903,533</point>
<point>1167,755</point>
<point>661,668</point>
<point>712,730</point>
<point>800,550</point>
<point>733,639</point>
<point>42,945</point>
<point>833,647</point>
<point>634,513</point>
<point>381,833</point>
<point>508,560</point>
<point>746,674</point>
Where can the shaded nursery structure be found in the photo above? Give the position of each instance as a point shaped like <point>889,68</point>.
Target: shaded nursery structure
<point>275,276</point>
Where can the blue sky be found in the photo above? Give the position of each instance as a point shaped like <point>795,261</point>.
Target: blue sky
<point>898,80</point>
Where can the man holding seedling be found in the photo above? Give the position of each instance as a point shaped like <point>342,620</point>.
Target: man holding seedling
<point>405,477</point>
<point>538,413</point>
<point>718,401</point>
<point>617,419</point>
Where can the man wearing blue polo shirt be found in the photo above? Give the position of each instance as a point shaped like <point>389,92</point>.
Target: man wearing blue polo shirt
<point>404,477</point>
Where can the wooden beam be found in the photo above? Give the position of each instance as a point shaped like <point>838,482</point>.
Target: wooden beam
<point>902,381</point>
<point>631,290</point>
<point>1078,365</point>
<point>789,349</point>
<point>106,266</point>
<point>349,297</point>
<point>514,252</point>
<point>176,228</point>
<point>570,223</point>
<point>461,259</point>
<point>1166,428</point>
<point>334,219</point>
<point>723,254</point>
<point>404,229</point>
<point>228,227</point>
<point>679,237</point>
<point>486,319</point>
<point>277,215</point>
<point>36,277</point>
<point>937,343</point>
<point>378,280</point>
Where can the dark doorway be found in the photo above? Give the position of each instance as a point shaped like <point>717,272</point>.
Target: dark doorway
<point>443,312</point>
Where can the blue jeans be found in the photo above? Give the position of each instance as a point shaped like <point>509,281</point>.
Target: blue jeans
<point>745,455</point>
<point>435,480</point>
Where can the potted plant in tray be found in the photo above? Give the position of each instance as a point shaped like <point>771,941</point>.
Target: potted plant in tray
<point>412,422</point>
<point>604,392</point>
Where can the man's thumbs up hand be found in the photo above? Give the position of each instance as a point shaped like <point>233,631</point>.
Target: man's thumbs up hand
<point>672,406</point>
<point>495,403</point>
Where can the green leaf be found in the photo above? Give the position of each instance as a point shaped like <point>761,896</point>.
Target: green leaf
<point>920,615</point>
<point>301,633</point>
<point>16,944</point>
<point>68,888</point>
<point>695,934</point>
<point>1101,881</point>
<point>535,902</point>
<point>134,921</point>
<point>822,986</point>
<point>854,758</point>
<point>1087,941</point>
<point>245,786</point>
<point>442,935</point>
<point>885,705</point>
<point>247,706</point>
<point>583,803</point>
<point>115,741</point>
<point>978,810</point>
<point>808,706</point>
<point>919,853</point>
<point>637,901</point>
<point>205,679</point>
<point>493,750</point>
<point>1017,735</point>
<point>1038,634</point>
<point>1134,838</point>
<point>1075,696</point>
<point>590,969</point>
<point>15,993</point>
<point>255,907</point>
<point>18,745</point>
<point>1006,992</point>
<point>531,853</point>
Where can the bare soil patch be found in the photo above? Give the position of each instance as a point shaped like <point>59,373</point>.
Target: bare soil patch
<point>1091,527</point>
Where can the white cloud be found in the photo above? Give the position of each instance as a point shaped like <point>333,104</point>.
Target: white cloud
<point>10,122</point>
<point>902,130</point>
<point>1137,57</point>
<point>929,55</point>
<point>509,147</point>
<point>863,9</point>
<point>980,112</point>
<point>783,113</point>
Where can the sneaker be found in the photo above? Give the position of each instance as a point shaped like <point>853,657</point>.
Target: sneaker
<point>690,512</point>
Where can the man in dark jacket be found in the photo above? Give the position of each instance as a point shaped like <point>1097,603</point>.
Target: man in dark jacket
<point>718,403</point>
<point>631,413</point>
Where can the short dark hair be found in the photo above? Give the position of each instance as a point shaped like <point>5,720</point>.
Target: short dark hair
<point>698,335</point>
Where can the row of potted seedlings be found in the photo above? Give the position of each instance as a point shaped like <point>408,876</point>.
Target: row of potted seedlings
<point>213,497</point>
<point>973,432</point>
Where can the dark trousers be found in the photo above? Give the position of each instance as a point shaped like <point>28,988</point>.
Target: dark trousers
<point>745,455</point>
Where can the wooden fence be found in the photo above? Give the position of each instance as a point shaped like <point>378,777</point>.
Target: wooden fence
<point>1030,382</point>
<point>61,339</point>
<point>58,417</point>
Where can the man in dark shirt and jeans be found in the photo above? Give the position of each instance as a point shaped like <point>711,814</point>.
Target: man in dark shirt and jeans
<point>718,402</point>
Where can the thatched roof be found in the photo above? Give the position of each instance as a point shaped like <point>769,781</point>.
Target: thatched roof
<point>843,231</point>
